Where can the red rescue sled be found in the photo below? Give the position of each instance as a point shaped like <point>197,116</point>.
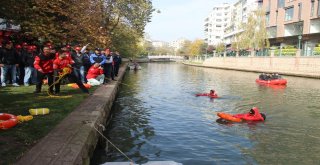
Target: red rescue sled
<point>253,115</point>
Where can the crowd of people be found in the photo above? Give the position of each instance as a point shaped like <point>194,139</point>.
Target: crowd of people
<point>25,64</point>
<point>267,76</point>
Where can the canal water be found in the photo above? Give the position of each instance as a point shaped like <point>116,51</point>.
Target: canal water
<point>157,117</point>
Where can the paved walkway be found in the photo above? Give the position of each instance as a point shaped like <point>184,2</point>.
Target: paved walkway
<point>74,139</point>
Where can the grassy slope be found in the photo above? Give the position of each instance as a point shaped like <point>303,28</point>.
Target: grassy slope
<point>17,101</point>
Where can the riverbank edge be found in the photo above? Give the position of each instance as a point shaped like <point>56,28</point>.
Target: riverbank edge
<point>254,70</point>
<point>74,139</point>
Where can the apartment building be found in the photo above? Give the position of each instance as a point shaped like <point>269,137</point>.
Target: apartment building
<point>159,44</point>
<point>293,22</point>
<point>218,19</point>
<point>239,14</point>
<point>177,44</point>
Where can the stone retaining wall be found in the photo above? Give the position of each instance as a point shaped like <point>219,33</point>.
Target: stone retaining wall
<point>296,66</point>
<point>74,139</point>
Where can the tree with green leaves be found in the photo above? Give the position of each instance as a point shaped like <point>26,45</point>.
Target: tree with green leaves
<point>254,34</point>
<point>185,49</point>
<point>197,47</point>
<point>220,47</point>
<point>81,21</point>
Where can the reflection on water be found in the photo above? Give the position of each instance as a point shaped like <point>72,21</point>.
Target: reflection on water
<point>158,117</point>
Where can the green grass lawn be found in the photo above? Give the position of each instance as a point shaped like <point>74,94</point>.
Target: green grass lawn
<point>18,100</point>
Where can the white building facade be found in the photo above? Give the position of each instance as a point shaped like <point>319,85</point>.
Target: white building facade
<point>240,13</point>
<point>159,44</point>
<point>218,19</point>
<point>223,23</point>
<point>177,44</point>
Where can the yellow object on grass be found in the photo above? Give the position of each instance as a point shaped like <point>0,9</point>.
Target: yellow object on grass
<point>39,111</point>
<point>24,118</point>
<point>71,84</point>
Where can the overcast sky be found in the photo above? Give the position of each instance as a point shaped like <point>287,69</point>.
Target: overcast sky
<point>180,19</point>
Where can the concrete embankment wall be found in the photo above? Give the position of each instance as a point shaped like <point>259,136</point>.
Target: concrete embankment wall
<point>295,66</point>
<point>74,139</point>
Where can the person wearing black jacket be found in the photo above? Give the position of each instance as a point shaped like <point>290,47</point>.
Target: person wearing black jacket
<point>20,70</point>
<point>8,63</point>
<point>78,70</point>
<point>30,72</point>
<point>108,67</point>
<point>86,62</point>
<point>117,62</point>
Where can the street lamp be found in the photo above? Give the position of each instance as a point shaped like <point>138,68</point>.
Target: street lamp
<point>299,43</point>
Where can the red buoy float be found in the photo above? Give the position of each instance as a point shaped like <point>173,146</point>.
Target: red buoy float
<point>7,120</point>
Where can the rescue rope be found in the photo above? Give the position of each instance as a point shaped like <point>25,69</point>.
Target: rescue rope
<point>65,71</point>
<point>125,84</point>
<point>131,161</point>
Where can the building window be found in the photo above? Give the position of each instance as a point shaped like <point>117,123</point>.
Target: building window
<point>312,8</point>
<point>281,3</point>
<point>289,14</point>
<point>267,19</point>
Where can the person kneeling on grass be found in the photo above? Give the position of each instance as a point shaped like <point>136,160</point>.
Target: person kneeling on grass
<point>95,75</point>
<point>61,63</point>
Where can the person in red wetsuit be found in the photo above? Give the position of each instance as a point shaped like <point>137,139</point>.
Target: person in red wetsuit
<point>43,63</point>
<point>212,93</point>
<point>252,115</point>
<point>95,75</point>
<point>61,62</point>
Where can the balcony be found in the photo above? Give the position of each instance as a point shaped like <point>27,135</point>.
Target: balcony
<point>293,29</point>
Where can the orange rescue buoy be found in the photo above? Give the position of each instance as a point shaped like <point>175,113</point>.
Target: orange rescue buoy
<point>7,121</point>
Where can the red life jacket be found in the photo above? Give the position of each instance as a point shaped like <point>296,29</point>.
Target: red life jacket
<point>250,117</point>
<point>44,62</point>
<point>94,72</point>
<point>62,63</point>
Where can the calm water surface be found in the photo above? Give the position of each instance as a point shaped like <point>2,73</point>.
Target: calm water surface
<point>157,117</point>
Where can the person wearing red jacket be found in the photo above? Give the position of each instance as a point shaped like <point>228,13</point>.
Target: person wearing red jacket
<point>95,75</point>
<point>59,64</point>
<point>43,63</point>
<point>252,115</point>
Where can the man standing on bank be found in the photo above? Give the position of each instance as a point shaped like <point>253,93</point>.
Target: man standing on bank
<point>117,62</point>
